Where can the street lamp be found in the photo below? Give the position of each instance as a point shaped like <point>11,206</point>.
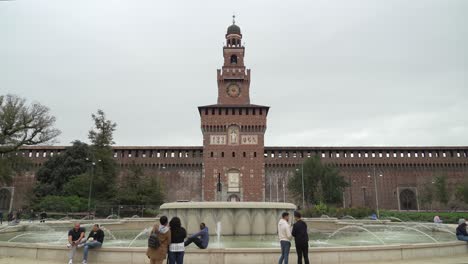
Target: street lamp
<point>375,188</point>
<point>303,192</point>
<point>91,185</point>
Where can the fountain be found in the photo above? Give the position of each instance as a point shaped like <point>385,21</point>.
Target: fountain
<point>236,218</point>
<point>356,227</point>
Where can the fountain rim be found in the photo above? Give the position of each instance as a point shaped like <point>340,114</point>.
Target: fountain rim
<point>227,205</point>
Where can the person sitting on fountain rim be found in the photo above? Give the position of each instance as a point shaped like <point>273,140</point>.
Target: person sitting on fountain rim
<point>95,240</point>
<point>461,230</point>
<point>200,239</point>
<point>75,237</point>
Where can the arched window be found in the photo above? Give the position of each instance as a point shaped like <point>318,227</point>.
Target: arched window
<point>233,59</point>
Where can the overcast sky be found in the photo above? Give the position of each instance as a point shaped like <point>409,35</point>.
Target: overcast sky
<point>335,73</point>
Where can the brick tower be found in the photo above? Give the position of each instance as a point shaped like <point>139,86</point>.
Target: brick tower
<point>233,132</point>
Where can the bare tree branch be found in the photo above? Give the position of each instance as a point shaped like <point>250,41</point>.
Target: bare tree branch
<point>23,125</point>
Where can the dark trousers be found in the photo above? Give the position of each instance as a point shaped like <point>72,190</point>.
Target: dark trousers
<point>175,257</point>
<point>195,240</point>
<point>302,250</point>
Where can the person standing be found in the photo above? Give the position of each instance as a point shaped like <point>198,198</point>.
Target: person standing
<point>95,240</point>
<point>301,238</point>
<point>75,237</point>
<point>176,248</point>
<point>200,239</point>
<point>158,255</point>
<point>284,234</point>
<point>1,217</point>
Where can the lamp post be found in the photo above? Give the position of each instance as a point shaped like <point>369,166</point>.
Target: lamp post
<point>93,164</point>
<point>375,189</point>
<point>303,190</point>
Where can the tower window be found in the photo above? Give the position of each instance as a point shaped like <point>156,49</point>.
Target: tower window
<point>233,154</point>
<point>244,154</point>
<point>233,59</point>
<point>212,154</point>
<point>255,154</point>
<point>222,154</point>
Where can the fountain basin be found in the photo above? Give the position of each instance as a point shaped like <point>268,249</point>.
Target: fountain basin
<point>235,218</point>
<point>335,255</point>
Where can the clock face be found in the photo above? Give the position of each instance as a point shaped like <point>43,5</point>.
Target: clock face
<point>233,90</point>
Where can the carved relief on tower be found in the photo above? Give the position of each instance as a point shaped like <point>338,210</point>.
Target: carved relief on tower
<point>233,135</point>
<point>217,139</point>
<point>249,139</point>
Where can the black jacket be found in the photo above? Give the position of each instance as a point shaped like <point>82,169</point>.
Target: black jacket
<point>461,230</point>
<point>98,235</point>
<point>178,235</point>
<point>299,232</point>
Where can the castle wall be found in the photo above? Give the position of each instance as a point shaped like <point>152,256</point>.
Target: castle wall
<point>181,170</point>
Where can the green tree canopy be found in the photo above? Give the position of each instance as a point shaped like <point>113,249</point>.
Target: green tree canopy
<point>60,169</point>
<point>140,189</point>
<point>440,187</point>
<point>102,135</point>
<point>322,183</point>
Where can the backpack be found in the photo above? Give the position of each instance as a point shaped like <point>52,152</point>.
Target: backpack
<point>153,240</point>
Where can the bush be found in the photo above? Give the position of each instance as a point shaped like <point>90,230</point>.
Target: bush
<point>447,217</point>
<point>55,203</point>
<point>319,210</point>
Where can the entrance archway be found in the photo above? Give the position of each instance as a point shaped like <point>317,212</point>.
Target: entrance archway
<point>5,199</point>
<point>408,200</point>
<point>233,198</point>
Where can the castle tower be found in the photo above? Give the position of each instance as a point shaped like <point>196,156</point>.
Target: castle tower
<point>233,132</point>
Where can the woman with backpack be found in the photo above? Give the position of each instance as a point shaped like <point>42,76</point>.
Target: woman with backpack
<point>177,247</point>
<point>158,242</point>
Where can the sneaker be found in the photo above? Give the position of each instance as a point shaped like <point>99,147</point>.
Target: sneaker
<point>69,246</point>
<point>80,245</point>
<point>84,262</point>
<point>71,261</point>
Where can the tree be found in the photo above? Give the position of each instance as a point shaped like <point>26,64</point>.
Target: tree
<point>105,169</point>
<point>140,189</point>
<point>322,183</point>
<point>24,125</point>
<point>11,165</point>
<point>461,193</point>
<point>426,195</point>
<point>102,134</point>
<point>58,170</point>
<point>440,187</point>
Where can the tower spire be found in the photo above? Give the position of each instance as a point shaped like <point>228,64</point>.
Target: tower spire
<point>233,19</point>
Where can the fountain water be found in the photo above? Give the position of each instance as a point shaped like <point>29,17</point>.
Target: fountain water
<point>356,227</point>
<point>218,233</point>
<point>112,216</point>
<point>25,234</point>
<point>417,230</point>
<point>348,217</point>
<point>394,218</point>
<point>145,231</point>
<point>105,230</point>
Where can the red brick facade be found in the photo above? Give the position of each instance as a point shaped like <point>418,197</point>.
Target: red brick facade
<point>233,163</point>
<point>233,131</point>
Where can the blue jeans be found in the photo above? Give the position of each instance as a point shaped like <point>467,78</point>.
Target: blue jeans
<point>285,246</point>
<point>462,238</point>
<point>87,246</point>
<point>176,257</point>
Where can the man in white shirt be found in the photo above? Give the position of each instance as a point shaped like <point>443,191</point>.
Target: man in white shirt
<point>284,234</point>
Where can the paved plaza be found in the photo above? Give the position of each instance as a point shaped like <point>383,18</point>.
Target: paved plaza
<point>460,259</point>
